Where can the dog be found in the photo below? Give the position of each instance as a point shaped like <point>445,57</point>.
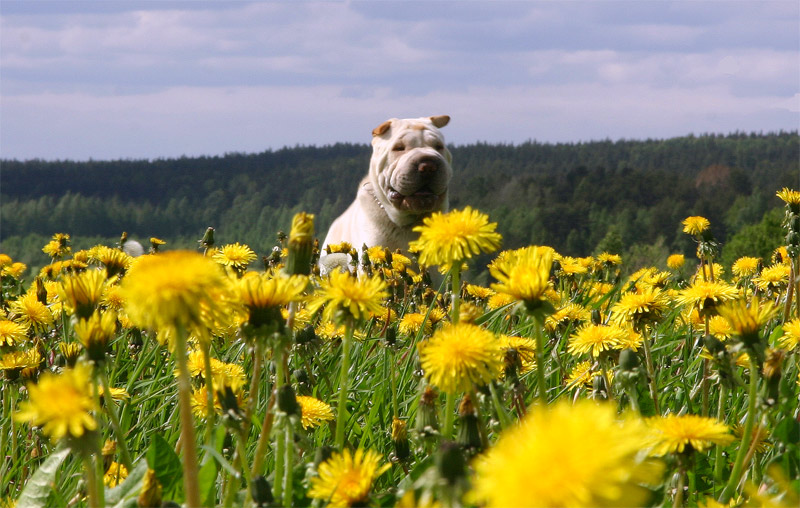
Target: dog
<point>409,176</point>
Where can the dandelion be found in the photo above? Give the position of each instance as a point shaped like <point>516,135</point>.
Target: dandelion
<point>677,433</point>
<point>235,255</point>
<point>640,308</point>
<point>345,479</point>
<point>479,292</point>
<point>115,475</point>
<point>773,278</point>
<point>747,320</point>
<point>95,332</point>
<point>791,335</point>
<point>676,261</point>
<point>595,339</point>
<point>524,274</point>
<point>790,197</point>
<point>745,266</point>
<point>571,266</point>
<point>582,375</point>
<point>412,322</point>
<point>695,225</point>
<point>570,313</point>
<point>313,412</point>
<point>31,313</point>
<point>264,295</point>
<point>14,362</point>
<point>498,300</point>
<point>347,297</point>
<point>61,404</point>
<point>58,247</point>
<point>706,296</point>
<point>720,328</point>
<point>448,239</point>
<point>116,261</point>
<point>522,347</point>
<point>81,293</point>
<point>565,455</point>
<point>174,289</point>
<point>461,356</point>
<point>12,333</point>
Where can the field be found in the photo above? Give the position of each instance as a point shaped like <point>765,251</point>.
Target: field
<point>213,378</point>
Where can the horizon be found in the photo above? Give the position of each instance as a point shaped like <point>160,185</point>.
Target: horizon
<point>795,132</point>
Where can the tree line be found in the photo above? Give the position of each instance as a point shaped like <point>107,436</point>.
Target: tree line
<point>626,196</point>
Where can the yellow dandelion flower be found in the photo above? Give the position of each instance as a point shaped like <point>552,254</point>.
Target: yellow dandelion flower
<point>95,332</point>
<point>643,307</point>
<point>174,289</point>
<point>235,255</point>
<point>571,266</point>
<point>773,278</point>
<point>581,375</point>
<point>745,266</point>
<point>676,261</point>
<point>412,322</point>
<point>706,296</point>
<point>376,254</point>
<point>263,295</point>
<point>780,255</point>
<point>570,313</point>
<point>649,276</point>
<point>437,315</point>
<point>606,258</point>
<point>14,362</point>
<point>12,333</point>
<point>14,270</point>
<point>198,402</point>
<point>594,339</point>
<point>345,479</point>
<point>61,404</point>
<point>461,356</point>
<point>523,347</point>
<point>31,313</point>
<point>479,292</point>
<point>345,296</point>
<point>81,292</point>
<point>675,433</point>
<point>747,318</point>
<point>695,225</point>
<point>5,260</point>
<point>448,239</point>
<point>114,393</point>
<point>115,261</point>
<point>313,412</point>
<point>500,300</point>
<point>791,335</point>
<point>720,328</point>
<point>565,455</point>
<point>115,475</point>
<point>789,196</point>
<point>524,274</point>
<point>58,247</point>
<point>631,340</point>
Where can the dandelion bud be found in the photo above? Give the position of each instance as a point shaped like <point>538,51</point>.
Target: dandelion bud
<point>400,439</point>
<point>301,244</point>
<point>207,241</point>
<point>287,401</point>
<point>150,495</point>
<point>469,436</point>
<point>628,361</point>
<point>451,463</point>
<point>391,336</point>
<point>427,424</point>
<point>305,335</point>
<point>261,491</point>
<point>41,292</point>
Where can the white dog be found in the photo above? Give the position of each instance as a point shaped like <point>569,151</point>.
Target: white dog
<point>408,178</point>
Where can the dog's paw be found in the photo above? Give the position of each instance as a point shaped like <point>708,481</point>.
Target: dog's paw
<point>335,261</point>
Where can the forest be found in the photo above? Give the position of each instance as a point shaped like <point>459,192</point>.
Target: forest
<point>625,196</point>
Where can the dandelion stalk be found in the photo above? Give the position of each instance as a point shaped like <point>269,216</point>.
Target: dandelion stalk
<point>449,411</point>
<point>540,378</point>
<point>112,415</point>
<point>190,470</point>
<point>288,484</point>
<point>723,397</point>
<point>677,502</point>
<point>347,343</point>
<point>747,434</point>
<point>651,372</point>
<point>92,485</point>
<point>455,273</point>
<point>704,383</point>
<point>263,438</point>
<point>209,377</point>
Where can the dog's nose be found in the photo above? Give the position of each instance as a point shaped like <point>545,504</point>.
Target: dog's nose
<point>427,166</point>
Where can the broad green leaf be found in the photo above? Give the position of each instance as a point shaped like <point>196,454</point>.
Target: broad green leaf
<point>38,488</point>
<point>168,467</point>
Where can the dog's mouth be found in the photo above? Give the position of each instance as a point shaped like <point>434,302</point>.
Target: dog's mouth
<point>422,200</point>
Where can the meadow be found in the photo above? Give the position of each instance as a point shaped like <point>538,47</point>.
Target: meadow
<point>210,377</point>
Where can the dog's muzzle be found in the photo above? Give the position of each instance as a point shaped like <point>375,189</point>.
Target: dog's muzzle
<point>421,186</point>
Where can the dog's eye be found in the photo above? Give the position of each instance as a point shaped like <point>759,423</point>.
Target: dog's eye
<point>399,147</point>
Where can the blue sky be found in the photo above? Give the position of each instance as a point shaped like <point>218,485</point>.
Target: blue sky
<point>131,79</point>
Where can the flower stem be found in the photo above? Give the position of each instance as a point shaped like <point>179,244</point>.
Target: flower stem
<point>125,456</point>
<point>263,438</point>
<point>678,500</point>
<point>343,377</point>
<point>651,373</point>
<point>449,410</point>
<point>288,484</point>
<point>190,470</point>
<point>456,302</point>
<point>747,434</point>
<point>540,378</point>
<point>91,481</point>
<point>723,397</point>
<point>209,378</point>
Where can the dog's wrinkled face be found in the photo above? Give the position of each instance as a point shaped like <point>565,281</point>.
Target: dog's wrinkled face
<point>411,166</point>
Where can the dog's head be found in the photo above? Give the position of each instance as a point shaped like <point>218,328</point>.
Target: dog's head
<point>410,167</point>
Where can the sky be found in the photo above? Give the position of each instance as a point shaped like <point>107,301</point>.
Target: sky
<point>159,79</point>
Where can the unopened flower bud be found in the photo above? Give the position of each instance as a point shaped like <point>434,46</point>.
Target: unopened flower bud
<point>400,439</point>
<point>469,436</point>
<point>261,491</point>
<point>287,401</point>
<point>301,244</point>
<point>427,424</point>
<point>451,463</point>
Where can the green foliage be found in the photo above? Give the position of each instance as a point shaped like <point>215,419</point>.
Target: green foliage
<point>757,240</point>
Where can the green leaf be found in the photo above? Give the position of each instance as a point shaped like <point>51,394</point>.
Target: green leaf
<point>167,465</point>
<point>38,488</point>
<point>126,493</point>
<point>207,479</point>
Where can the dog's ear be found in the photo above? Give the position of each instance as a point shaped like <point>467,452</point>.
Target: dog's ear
<point>440,120</point>
<point>379,130</point>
